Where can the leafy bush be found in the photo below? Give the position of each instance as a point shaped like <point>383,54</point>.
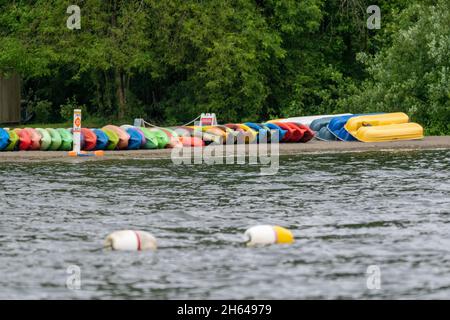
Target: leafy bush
<point>42,110</point>
<point>66,110</point>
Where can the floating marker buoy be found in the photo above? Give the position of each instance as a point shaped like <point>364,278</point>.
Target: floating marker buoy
<point>131,240</point>
<point>266,234</point>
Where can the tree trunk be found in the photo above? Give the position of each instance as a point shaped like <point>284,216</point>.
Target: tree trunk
<point>121,93</point>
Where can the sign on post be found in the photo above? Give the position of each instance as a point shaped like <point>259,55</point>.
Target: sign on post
<point>76,130</point>
<point>208,119</point>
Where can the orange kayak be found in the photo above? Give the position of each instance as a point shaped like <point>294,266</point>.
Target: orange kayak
<point>124,137</point>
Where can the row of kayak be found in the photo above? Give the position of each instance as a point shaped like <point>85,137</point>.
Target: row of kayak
<point>128,137</point>
<point>346,127</point>
<point>377,127</point>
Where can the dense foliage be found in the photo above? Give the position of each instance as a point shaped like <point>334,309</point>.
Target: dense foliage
<point>169,60</point>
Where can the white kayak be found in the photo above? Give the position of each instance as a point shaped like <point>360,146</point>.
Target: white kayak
<point>307,120</point>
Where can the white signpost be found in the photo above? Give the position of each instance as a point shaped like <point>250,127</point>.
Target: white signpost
<point>76,131</point>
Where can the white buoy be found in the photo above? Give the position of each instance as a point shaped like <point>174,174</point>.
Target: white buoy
<point>267,234</point>
<point>131,240</point>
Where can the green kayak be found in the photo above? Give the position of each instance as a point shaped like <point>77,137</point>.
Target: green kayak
<point>56,139</point>
<point>66,139</point>
<point>162,137</point>
<point>13,140</point>
<point>152,140</point>
<point>113,139</point>
<point>46,139</point>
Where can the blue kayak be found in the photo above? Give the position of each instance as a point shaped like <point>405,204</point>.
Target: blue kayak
<point>4,139</point>
<point>320,127</point>
<point>102,139</point>
<point>336,127</point>
<point>318,124</point>
<point>135,139</point>
<point>262,133</point>
<point>281,132</point>
<point>325,135</point>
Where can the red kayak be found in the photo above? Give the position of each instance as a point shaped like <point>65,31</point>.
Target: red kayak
<point>90,139</point>
<point>308,134</point>
<point>35,138</point>
<point>24,139</point>
<point>293,133</point>
<point>192,141</point>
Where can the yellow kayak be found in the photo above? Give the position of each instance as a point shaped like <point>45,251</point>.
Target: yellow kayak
<point>390,132</point>
<point>253,133</point>
<point>383,127</point>
<point>354,123</point>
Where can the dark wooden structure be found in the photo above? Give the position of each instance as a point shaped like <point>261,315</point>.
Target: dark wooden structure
<point>10,99</point>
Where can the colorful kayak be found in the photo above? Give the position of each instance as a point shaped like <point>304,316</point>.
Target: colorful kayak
<point>66,139</point>
<point>173,137</point>
<point>353,124</point>
<point>123,136</point>
<point>113,139</point>
<point>151,138</point>
<point>143,140</point>
<point>293,134</point>
<point>35,138</point>
<point>320,127</point>
<point>13,141</point>
<point>390,132</point>
<point>4,139</point>
<point>102,139</point>
<point>46,139</point>
<point>90,139</point>
<point>192,141</point>
<point>307,133</point>
<point>24,139</point>
<point>247,134</point>
<point>56,139</point>
<point>161,136</point>
<point>135,139</point>
<point>262,133</point>
<point>336,127</point>
<point>325,135</point>
<point>281,132</point>
<point>318,124</point>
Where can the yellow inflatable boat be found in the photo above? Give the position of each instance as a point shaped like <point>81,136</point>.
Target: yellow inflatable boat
<point>383,127</point>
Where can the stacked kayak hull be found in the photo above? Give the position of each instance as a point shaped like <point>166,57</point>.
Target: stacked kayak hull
<point>4,139</point>
<point>161,136</point>
<point>46,139</point>
<point>90,139</point>
<point>124,137</point>
<point>322,132</point>
<point>336,127</point>
<point>35,138</point>
<point>135,140</point>
<point>24,139</point>
<point>13,141</point>
<point>391,132</point>
<point>353,124</point>
<point>55,139</point>
<point>383,127</point>
<point>102,139</point>
<point>191,141</point>
<point>66,139</point>
<point>113,139</point>
<point>150,137</point>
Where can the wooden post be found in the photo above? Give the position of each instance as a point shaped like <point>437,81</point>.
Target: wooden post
<point>10,99</point>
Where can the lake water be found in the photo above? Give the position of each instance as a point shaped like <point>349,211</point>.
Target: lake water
<point>347,212</point>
